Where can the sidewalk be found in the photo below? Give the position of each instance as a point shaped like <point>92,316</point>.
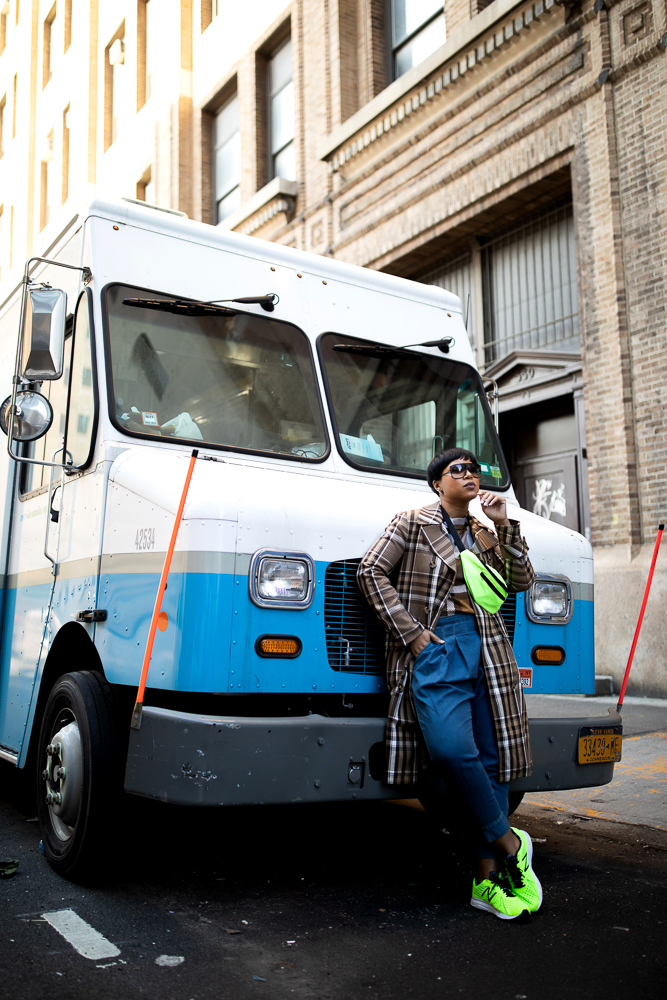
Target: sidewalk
<point>638,793</point>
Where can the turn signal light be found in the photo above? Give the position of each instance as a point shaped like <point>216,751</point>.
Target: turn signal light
<point>548,654</point>
<point>278,645</point>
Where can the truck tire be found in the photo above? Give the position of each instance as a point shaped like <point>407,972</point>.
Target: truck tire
<point>78,773</point>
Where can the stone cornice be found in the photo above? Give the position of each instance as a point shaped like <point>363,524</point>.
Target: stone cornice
<point>428,80</point>
<point>534,375</point>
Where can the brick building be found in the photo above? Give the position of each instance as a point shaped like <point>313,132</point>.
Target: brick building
<point>511,151</point>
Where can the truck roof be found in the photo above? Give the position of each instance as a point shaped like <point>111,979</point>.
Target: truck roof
<point>176,224</point>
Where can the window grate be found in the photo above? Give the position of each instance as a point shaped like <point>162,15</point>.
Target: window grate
<point>456,277</point>
<point>530,288</point>
<point>508,611</point>
<point>354,637</point>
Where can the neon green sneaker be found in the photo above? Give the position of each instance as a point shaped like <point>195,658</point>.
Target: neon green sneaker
<point>520,875</point>
<point>494,895</point>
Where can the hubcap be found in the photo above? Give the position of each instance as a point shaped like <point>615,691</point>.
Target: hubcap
<point>63,776</point>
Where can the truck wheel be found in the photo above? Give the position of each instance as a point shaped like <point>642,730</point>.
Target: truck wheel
<point>78,773</point>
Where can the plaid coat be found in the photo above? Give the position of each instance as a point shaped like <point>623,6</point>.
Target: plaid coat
<point>406,577</point>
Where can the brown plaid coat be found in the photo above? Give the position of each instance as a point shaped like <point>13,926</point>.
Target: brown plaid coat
<point>406,577</point>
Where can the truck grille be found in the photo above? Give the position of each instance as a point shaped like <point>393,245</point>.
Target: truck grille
<point>508,611</point>
<point>355,639</point>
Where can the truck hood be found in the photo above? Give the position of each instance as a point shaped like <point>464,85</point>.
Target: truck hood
<point>314,510</point>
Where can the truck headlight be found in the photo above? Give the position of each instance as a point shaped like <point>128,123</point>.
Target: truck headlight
<point>550,600</point>
<point>281,579</point>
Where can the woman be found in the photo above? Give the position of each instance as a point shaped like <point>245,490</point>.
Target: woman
<point>454,684</point>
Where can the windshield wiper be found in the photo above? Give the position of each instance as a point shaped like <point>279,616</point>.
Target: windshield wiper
<point>443,344</point>
<point>191,307</point>
<point>182,307</point>
<point>268,301</point>
<point>387,353</point>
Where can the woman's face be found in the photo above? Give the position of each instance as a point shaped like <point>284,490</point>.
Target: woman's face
<point>458,490</point>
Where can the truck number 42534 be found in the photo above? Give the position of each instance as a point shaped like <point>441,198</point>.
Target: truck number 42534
<point>145,539</point>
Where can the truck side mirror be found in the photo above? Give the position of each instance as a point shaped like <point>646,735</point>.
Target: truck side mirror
<point>44,334</point>
<point>33,416</point>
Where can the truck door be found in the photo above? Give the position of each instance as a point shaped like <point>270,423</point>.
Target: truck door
<point>53,569</point>
<point>32,538</point>
<point>80,498</point>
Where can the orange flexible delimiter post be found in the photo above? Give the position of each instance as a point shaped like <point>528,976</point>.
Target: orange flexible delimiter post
<point>656,549</point>
<point>139,704</point>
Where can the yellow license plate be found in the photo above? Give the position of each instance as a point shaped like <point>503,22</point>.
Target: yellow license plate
<point>600,744</point>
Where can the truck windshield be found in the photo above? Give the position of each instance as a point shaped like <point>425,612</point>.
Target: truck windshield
<point>394,412</point>
<point>237,381</point>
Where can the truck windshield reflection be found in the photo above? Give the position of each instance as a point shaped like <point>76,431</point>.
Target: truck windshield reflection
<point>395,409</point>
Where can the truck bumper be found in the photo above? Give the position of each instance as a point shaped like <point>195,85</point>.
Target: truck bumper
<point>555,747</point>
<point>204,760</point>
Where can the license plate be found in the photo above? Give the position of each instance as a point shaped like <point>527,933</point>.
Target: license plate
<point>600,744</point>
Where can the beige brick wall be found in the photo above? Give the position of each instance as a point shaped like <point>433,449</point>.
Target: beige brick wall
<point>457,12</point>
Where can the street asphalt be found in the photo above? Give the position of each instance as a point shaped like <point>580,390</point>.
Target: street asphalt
<point>333,902</point>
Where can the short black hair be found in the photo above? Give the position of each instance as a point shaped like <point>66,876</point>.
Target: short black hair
<point>441,461</point>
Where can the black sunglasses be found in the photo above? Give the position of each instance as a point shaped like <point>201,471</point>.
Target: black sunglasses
<point>459,469</point>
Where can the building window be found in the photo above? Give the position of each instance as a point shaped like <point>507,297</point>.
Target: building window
<point>46,183</point>
<point>281,113</point>
<point>146,189</point>
<point>65,156</point>
<point>530,288</point>
<point>49,47</point>
<point>145,13</point>
<point>114,87</point>
<point>227,145</point>
<point>67,27</point>
<point>152,13</point>
<point>417,29</point>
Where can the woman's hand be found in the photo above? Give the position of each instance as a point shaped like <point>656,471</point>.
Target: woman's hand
<point>494,507</point>
<point>419,644</point>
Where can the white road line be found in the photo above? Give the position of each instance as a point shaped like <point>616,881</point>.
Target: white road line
<point>83,938</point>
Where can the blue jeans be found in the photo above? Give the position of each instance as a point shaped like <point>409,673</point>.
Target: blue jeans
<point>454,713</point>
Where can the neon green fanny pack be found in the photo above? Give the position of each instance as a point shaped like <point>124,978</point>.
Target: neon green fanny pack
<point>485,584</point>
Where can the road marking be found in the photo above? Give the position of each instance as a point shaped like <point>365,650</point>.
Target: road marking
<point>83,938</point>
<point>169,961</point>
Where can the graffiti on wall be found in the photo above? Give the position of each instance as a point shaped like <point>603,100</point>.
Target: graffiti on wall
<point>547,500</point>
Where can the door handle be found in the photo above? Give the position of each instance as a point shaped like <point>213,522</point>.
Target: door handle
<point>54,514</point>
